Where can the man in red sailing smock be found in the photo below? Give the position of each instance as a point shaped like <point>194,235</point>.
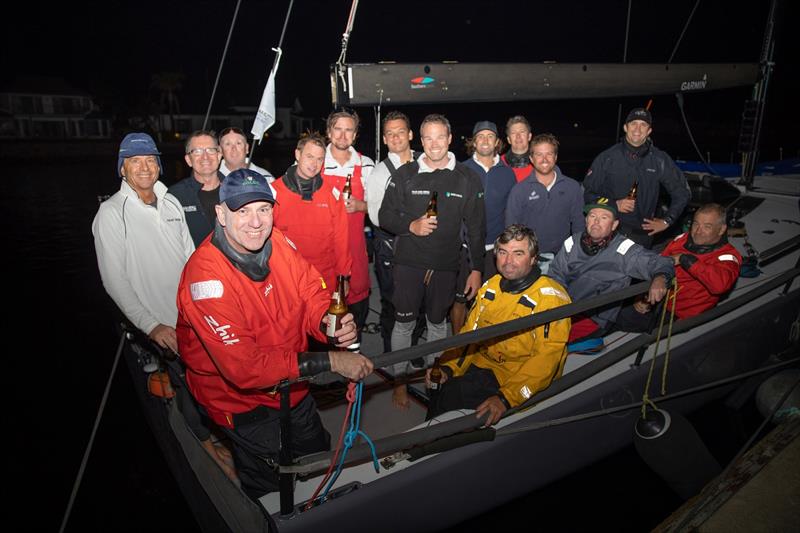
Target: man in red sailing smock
<point>310,215</point>
<point>247,301</point>
<point>706,264</point>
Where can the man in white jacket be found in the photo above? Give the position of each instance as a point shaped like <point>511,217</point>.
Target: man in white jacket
<point>142,242</point>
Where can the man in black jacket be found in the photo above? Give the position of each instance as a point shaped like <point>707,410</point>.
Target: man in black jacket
<point>426,258</point>
<point>630,174</point>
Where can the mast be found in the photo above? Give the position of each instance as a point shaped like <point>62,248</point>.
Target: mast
<point>753,115</point>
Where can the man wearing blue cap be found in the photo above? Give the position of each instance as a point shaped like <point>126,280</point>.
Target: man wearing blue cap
<point>142,242</point>
<point>247,301</point>
<point>497,180</point>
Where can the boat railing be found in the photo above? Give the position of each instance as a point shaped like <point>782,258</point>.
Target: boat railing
<point>315,463</point>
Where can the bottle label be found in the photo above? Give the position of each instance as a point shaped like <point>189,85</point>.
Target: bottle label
<point>434,385</point>
<point>333,325</point>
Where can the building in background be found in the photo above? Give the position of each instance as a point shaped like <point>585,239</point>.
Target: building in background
<point>48,108</point>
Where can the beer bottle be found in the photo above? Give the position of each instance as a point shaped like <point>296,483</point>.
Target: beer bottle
<point>632,192</point>
<point>432,210</point>
<point>347,191</point>
<point>436,375</point>
<point>336,310</point>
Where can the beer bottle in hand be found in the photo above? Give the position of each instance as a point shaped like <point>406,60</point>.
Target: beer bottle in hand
<point>347,191</point>
<point>634,189</point>
<point>436,375</point>
<point>433,209</point>
<point>336,310</point>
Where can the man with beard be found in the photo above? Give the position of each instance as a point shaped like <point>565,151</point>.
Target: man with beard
<point>497,180</point>
<point>494,375</point>
<point>547,201</point>
<point>342,160</point>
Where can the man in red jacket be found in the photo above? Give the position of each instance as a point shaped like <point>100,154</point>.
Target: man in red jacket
<point>247,301</point>
<point>706,264</point>
<point>310,215</point>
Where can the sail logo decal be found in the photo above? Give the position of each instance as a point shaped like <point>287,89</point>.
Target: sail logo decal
<point>695,85</point>
<point>227,337</point>
<point>422,82</point>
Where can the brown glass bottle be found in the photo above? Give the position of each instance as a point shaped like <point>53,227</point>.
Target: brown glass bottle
<point>433,208</point>
<point>336,310</point>
<point>347,191</point>
<point>633,191</point>
<point>436,375</point>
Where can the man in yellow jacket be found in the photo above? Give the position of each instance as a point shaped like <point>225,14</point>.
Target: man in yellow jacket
<point>497,374</point>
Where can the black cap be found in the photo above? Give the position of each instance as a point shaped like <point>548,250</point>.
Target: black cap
<point>640,113</point>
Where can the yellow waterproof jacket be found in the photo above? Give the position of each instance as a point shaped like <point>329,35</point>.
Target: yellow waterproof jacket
<point>524,363</point>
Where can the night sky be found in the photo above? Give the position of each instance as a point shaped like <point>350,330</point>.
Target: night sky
<point>112,49</point>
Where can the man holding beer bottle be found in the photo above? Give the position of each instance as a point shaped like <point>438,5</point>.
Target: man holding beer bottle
<point>634,160</point>
<point>343,165</point>
<point>494,375</point>
<point>247,301</point>
<point>427,247</point>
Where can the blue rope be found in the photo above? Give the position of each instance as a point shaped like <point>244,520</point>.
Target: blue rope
<point>353,432</point>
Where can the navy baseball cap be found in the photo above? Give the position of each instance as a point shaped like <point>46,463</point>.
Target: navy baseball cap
<point>137,144</point>
<point>484,125</point>
<point>244,186</point>
<point>640,113</point>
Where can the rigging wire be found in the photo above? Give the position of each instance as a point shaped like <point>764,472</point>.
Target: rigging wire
<point>685,26</point>
<point>378,127</point>
<point>89,446</point>
<point>351,18</point>
<point>624,60</point>
<point>679,96</point>
<point>278,52</point>
<point>221,63</point>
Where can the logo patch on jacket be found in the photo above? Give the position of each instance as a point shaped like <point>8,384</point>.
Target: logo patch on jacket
<point>227,337</point>
<point>204,290</point>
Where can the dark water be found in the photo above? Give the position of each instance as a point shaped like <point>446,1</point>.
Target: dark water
<point>59,321</point>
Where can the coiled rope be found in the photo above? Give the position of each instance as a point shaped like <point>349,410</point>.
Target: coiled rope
<point>346,439</point>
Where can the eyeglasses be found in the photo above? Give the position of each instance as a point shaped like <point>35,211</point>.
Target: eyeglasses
<point>211,150</point>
